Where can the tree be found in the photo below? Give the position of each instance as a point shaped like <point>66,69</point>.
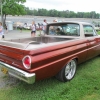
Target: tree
<point>64,13</point>
<point>12,7</point>
<point>28,11</point>
<point>93,14</point>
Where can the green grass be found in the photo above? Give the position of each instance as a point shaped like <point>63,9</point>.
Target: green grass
<point>84,86</point>
<point>99,32</point>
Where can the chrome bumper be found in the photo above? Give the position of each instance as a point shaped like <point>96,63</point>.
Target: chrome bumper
<point>18,73</point>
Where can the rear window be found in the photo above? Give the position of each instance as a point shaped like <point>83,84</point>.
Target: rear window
<point>69,29</point>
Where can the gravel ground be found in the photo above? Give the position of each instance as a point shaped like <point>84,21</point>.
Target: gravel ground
<point>7,81</point>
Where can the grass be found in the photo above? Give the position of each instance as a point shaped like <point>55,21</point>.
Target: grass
<point>99,32</point>
<point>84,86</point>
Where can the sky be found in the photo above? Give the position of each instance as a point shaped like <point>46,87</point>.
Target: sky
<point>60,5</point>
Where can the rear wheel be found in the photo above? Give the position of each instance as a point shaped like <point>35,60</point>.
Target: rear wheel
<point>68,72</point>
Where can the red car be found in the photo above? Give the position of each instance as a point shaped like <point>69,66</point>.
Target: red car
<point>57,53</point>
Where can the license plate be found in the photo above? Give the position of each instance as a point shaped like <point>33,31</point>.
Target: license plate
<point>4,70</point>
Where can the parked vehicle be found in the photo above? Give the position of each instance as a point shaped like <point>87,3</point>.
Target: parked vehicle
<point>38,27</point>
<point>27,26</point>
<point>17,25</point>
<point>58,53</point>
<point>97,28</point>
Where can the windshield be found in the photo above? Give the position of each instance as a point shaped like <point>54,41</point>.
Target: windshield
<point>64,29</point>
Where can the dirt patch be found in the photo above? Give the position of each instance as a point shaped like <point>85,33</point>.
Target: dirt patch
<point>7,81</point>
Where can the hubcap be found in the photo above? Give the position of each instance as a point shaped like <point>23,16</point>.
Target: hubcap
<point>70,69</point>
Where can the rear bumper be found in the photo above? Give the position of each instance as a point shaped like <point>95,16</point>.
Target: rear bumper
<point>18,73</point>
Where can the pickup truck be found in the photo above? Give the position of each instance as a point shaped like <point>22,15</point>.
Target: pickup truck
<point>57,53</point>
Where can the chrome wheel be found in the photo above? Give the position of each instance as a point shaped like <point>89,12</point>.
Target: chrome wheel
<point>70,70</point>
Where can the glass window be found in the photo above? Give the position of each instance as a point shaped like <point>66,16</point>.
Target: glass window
<point>89,31</point>
<point>64,29</point>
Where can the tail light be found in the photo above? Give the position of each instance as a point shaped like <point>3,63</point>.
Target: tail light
<point>27,62</point>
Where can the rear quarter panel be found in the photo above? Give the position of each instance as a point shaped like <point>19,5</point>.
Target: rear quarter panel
<point>52,59</point>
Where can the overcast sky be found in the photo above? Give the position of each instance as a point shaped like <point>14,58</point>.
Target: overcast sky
<point>71,5</point>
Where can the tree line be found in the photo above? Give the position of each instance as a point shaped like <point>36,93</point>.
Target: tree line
<point>64,13</point>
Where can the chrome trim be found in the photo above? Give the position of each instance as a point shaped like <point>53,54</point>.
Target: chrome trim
<point>18,73</point>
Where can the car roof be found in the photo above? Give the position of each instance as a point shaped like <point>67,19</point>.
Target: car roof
<point>76,22</point>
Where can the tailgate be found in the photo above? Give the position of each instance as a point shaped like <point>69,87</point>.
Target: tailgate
<point>10,52</point>
<point>11,55</point>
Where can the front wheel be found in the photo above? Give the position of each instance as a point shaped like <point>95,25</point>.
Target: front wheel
<point>68,72</point>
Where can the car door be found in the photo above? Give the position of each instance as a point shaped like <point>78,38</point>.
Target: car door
<point>97,39</point>
<point>93,41</point>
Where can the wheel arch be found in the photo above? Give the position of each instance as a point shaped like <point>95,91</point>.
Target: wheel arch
<point>76,58</point>
<point>59,74</point>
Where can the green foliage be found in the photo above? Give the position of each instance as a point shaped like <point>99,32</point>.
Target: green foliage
<point>84,86</point>
<point>14,7</point>
<point>66,14</point>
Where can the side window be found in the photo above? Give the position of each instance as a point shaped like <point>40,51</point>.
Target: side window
<point>89,31</point>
